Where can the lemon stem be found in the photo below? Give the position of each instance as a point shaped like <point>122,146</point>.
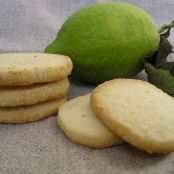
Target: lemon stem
<point>165,27</point>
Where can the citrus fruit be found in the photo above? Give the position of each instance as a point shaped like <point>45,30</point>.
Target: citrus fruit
<point>106,41</point>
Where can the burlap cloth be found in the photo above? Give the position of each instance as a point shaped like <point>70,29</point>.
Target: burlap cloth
<point>40,147</point>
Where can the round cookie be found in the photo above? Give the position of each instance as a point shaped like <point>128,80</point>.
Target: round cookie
<point>18,69</point>
<point>23,114</point>
<point>137,111</point>
<point>81,125</point>
<point>28,95</point>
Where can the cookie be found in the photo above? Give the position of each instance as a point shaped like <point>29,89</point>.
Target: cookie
<point>18,69</point>
<point>23,114</point>
<point>32,94</point>
<point>81,125</point>
<point>137,111</point>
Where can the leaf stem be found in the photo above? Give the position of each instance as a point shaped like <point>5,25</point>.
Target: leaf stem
<point>165,27</point>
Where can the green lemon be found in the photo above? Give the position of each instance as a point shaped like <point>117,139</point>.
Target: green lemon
<point>106,41</point>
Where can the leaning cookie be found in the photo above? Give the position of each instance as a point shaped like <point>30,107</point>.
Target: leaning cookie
<point>32,94</point>
<point>17,69</point>
<point>81,125</point>
<point>137,111</point>
<point>23,114</point>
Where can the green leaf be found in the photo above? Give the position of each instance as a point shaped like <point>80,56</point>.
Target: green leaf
<point>161,78</point>
<point>159,71</point>
<point>165,48</point>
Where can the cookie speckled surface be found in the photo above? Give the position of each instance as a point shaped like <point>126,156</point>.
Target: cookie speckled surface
<point>138,112</point>
<point>80,124</point>
<point>18,69</point>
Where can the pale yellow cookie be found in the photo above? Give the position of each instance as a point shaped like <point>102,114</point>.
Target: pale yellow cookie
<point>81,125</point>
<point>137,111</point>
<point>32,94</point>
<point>18,69</point>
<point>23,114</point>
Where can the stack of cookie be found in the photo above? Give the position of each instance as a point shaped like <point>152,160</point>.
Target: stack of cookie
<point>32,85</point>
<point>121,110</point>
